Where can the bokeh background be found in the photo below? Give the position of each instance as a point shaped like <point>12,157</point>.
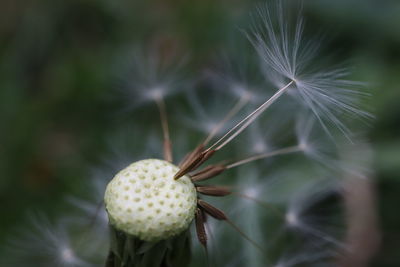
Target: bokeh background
<point>60,60</point>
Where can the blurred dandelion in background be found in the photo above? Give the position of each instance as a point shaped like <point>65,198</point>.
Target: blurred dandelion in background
<point>257,155</point>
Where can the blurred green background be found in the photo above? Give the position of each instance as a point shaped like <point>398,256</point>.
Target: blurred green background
<point>59,60</point>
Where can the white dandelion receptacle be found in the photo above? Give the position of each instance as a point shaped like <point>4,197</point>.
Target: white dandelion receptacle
<point>145,201</point>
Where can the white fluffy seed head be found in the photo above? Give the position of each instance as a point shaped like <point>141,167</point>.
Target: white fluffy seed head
<point>145,201</point>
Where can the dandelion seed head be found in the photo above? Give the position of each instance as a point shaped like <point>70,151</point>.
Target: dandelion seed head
<point>144,200</point>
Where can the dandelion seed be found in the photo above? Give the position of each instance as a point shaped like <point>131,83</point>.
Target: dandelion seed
<point>312,144</point>
<point>264,138</point>
<point>45,244</point>
<point>286,56</point>
<point>149,78</point>
<point>296,215</point>
<point>243,124</point>
<point>237,72</point>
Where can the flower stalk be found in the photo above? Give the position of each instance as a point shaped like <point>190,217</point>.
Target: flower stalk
<point>128,251</point>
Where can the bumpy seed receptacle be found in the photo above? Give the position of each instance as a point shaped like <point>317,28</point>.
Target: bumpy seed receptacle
<point>149,214</point>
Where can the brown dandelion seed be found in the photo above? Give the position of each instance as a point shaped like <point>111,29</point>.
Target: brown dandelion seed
<point>190,163</point>
<point>189,156</point>
<point>216,191</point>
<point>200,229</point>
<point>208,172</point>
<point>211,210</point>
